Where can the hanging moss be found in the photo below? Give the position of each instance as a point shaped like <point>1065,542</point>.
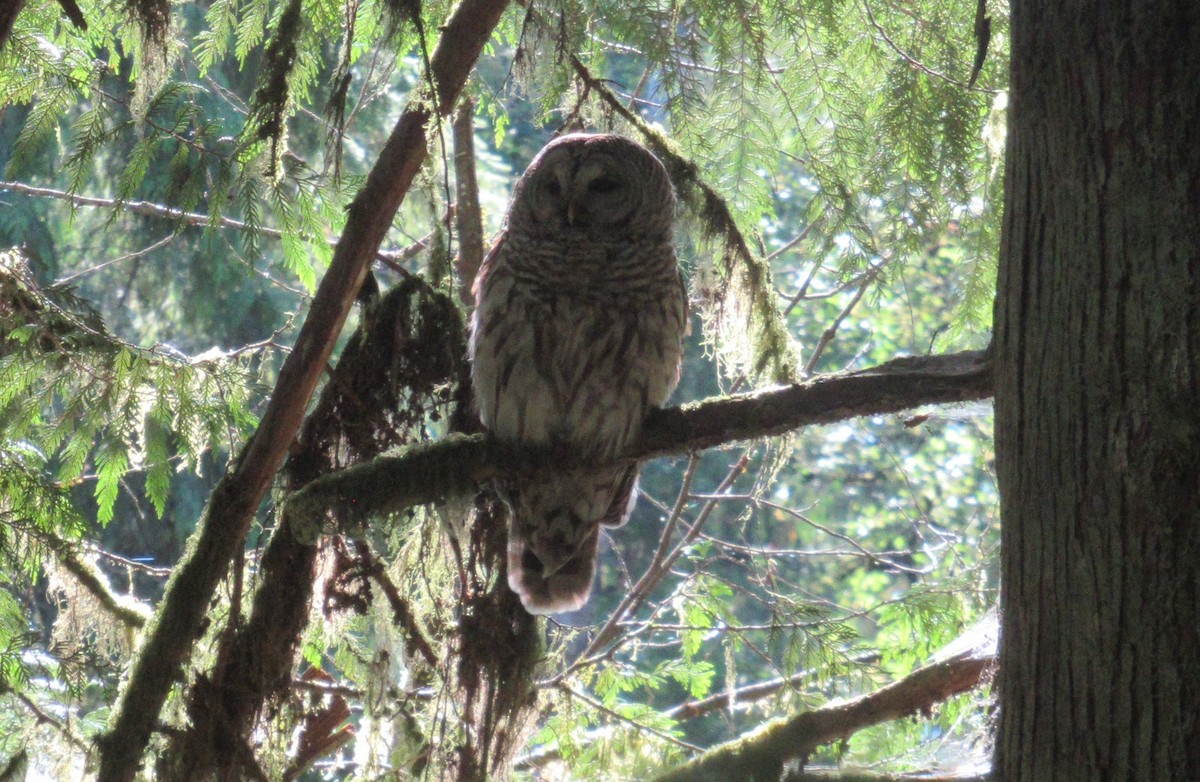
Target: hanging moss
<point>270,103</point>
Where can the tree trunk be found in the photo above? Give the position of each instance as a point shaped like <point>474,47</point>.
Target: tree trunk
<point>1098,395</point>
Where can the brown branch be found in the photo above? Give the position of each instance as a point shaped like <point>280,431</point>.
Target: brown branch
<point>762,753</point>
<point>237,496</point>
<point>456,464</point>
<point>468,217</point>
<point>8,17</point>
<point>71,9</point>
<point>401,611</point>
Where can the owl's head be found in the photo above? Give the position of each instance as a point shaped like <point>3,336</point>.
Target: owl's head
<point>596,184</point>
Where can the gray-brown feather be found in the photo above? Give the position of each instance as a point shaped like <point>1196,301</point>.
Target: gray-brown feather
<point>577,333</point>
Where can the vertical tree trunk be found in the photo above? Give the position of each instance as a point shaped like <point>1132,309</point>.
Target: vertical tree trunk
<point>1098,394</point>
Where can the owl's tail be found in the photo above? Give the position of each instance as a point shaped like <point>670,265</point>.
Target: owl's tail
<point>554,535</point>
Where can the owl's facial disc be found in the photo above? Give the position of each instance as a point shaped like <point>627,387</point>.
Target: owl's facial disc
<point>597,194</point>
<point>603,194</point>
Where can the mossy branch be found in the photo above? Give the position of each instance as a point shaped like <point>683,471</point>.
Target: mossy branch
<point>761,754</point>
<point>457,464</point>
<point>127,610</point>
<point>745,275</point>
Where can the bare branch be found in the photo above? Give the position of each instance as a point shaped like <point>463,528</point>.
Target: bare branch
<point>600,707</point>
<point>125,609</point>
<point>401,612</point>
<point>853,775</point>
<point>749,693</point>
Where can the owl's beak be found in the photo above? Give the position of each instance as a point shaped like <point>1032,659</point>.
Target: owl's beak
<point>571,213</point>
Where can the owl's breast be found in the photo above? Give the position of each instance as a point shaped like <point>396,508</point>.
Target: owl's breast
<point>580,363</point>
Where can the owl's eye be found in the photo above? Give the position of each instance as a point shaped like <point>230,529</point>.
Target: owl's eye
<point>553,188</point>
<point>602,185</point>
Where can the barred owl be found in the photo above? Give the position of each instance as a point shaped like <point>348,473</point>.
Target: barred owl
<point>580,314</point>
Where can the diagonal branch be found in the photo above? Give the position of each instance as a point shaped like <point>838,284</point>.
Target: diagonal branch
<point>743,272</point>
<point>236,498</point>
<point>455,465</point>
<point>762,753</point>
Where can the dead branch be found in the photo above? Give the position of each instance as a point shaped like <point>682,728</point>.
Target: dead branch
<point>232,505</point>
<point>456,464</point>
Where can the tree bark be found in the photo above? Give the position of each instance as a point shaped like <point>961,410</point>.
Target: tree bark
<point>1098,393</point>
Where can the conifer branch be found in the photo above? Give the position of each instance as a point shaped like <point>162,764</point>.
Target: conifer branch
<point>854,775</point>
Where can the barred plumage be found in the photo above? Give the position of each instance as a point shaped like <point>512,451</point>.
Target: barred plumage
<point>577,332</point>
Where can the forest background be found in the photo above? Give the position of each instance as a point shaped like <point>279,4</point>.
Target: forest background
<point>179,179</point>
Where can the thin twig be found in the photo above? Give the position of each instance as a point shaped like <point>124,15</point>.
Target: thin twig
<point>399,605</point>
<point>831,330</point>
<point>595,704</point>
<point>657,570</point>
<point>48,719</point>
<point>913,61</point>
<point>163,242</point>
<point>195,219</point>
<point>764,551</point>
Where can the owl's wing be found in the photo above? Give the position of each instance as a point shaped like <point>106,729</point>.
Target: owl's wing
<point>623,499</point>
